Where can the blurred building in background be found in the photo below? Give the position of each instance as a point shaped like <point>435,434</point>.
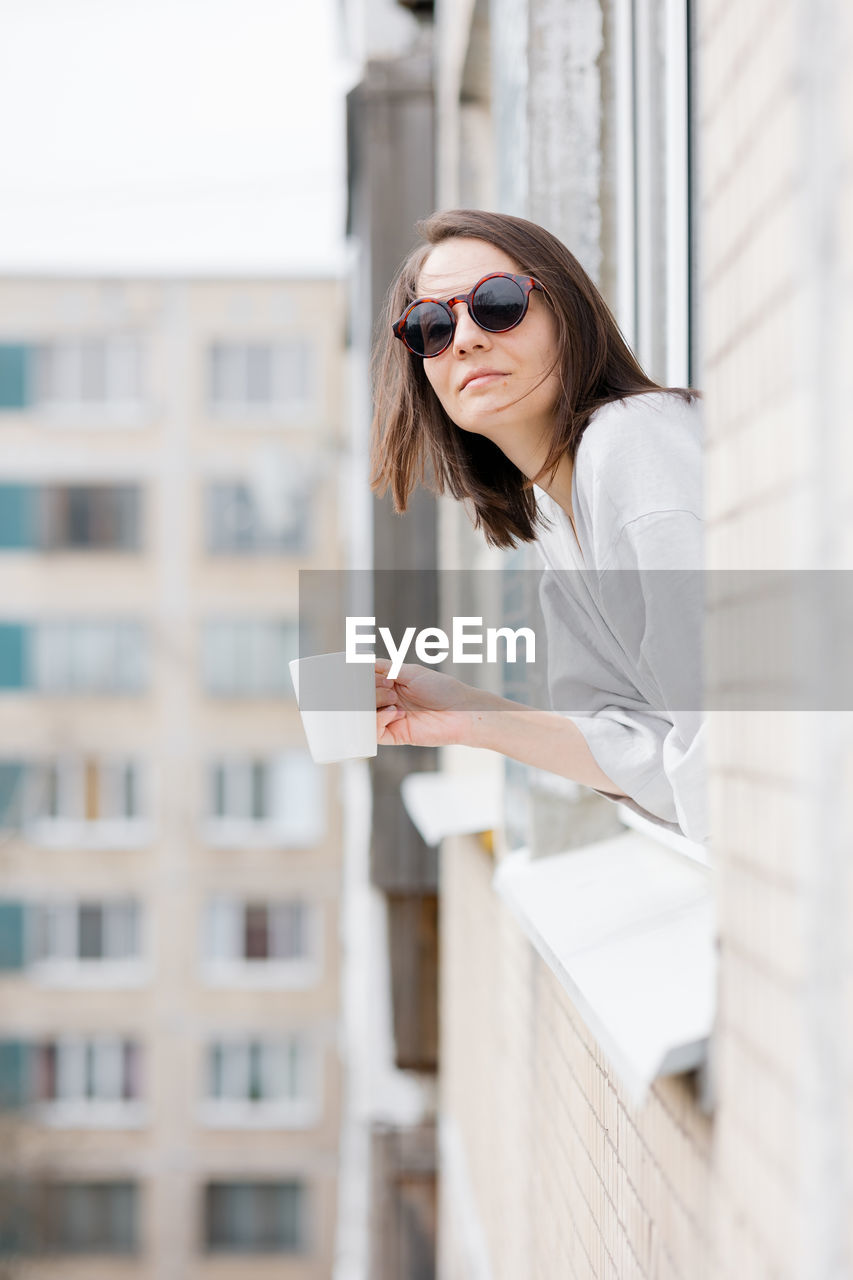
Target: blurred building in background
<point>170,856</point>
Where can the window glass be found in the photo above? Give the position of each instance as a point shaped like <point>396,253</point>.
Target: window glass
<point>93,371</point>
<point>89,656</point>
<point>17,516</point>
<point>254,1217</point>
<point>239,520</point>
<point>91,1217</point>
<point>245,658</point>
<point>14,665</point>
<point>256,944</point>
<point>15,379</point>
<point>253,375</point>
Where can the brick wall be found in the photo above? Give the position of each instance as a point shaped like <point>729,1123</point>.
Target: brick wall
<point>564,1176</point>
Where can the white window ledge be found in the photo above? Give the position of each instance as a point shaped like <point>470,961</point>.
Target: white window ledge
<point>237,834</point>
<point>91,974</point>
<point>261,974</point>
<point>97,414</point>
<point>59,833</point>
<point>235,1113</point>
<point>627,925</point>
<point>92,1113</point>
<point>452,804</point>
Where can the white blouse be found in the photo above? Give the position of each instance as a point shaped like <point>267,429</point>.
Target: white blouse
<point>623,604</point>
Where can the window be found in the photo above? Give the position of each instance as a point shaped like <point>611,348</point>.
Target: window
<point>254,1217</point>
<point>76,373</point>
<point>260,941</point>
<point>264,1079</point>
<point>246,658</point>
<point>15,643</point>
<point>87,372</point>
<point>89,1217</point>
<point>653,187</point>
<point>86,932</point>
<point>89,657</point>
<point>12,934</point>
<point>265,799</point>
<point>70,800</point>
<point>257,376</point>
<point>18,517</point>
<point>15,375</point>
<point>77,1069</point>
<point>15,1074</point>
<point>239,522</point>
<point>89,517</point>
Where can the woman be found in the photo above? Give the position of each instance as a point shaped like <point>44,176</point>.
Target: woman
<point>502,371</point>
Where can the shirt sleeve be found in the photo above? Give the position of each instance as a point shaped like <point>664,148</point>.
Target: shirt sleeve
<point>650,738</point>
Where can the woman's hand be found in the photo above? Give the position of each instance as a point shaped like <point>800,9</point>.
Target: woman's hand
<point>421,707</point>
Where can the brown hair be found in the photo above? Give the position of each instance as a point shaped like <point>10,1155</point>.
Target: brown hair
<point>412,433</point>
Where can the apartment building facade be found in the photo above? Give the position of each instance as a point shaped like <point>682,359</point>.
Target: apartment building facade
<point>170,855</point>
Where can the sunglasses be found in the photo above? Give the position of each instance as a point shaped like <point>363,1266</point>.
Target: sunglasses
<point>496,303</point>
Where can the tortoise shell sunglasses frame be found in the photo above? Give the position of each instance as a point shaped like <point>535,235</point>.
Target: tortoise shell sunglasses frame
<point>527,284</point>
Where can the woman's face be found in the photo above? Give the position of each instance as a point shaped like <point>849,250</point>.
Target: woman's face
<point>494,384</point>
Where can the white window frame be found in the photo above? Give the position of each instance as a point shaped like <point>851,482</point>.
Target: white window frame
<point>224,965</point>
<point>239,657</point>
<point>72,656</point>
<point>107,1109</point>
<point>643,168</point>
<point>298,1109</point>
<point>70,828</point>
<point>287,774</point>
<point>268,499</point>
<point>62,402</point>
<point>237,404</point>
<point>63,966</point>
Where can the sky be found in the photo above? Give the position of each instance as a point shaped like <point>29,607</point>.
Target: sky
<point>176,135</point>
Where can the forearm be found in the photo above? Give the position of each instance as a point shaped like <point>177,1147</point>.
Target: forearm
<point>542,739</point>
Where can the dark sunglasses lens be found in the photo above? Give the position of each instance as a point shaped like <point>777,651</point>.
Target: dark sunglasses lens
<point>498,304</point>
<point>427,329</point>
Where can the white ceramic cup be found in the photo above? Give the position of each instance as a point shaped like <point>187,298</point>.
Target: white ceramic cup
<point>337,706</point>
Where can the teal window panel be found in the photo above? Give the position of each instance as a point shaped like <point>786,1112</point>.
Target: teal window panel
<point>15,1074</point>
<point>15,380</point>
<point>17,516</point>
<point>11,934</point>
<point>14,673</point>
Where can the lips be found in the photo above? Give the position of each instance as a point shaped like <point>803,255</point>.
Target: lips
<point>481,373</point>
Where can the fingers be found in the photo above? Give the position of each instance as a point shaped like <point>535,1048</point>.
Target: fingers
<point>384,716</point>
<point>381,668</point>
<point>385,697</point>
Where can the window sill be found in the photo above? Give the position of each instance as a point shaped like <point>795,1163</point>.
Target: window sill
<point>261,974</point>
<point>97,415</point>
<point>627,926</point>
<point>90,974</point>
<point>103,834</point>
<point>91,1115</point>
<point>216,1114</point>
<point>452,804</point>
<point>241,835</point>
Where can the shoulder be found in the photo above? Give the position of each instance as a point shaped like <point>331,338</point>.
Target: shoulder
<point>628,431</point>
<point>637,456</point>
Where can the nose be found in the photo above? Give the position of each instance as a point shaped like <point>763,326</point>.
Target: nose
<point>467,335</point>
